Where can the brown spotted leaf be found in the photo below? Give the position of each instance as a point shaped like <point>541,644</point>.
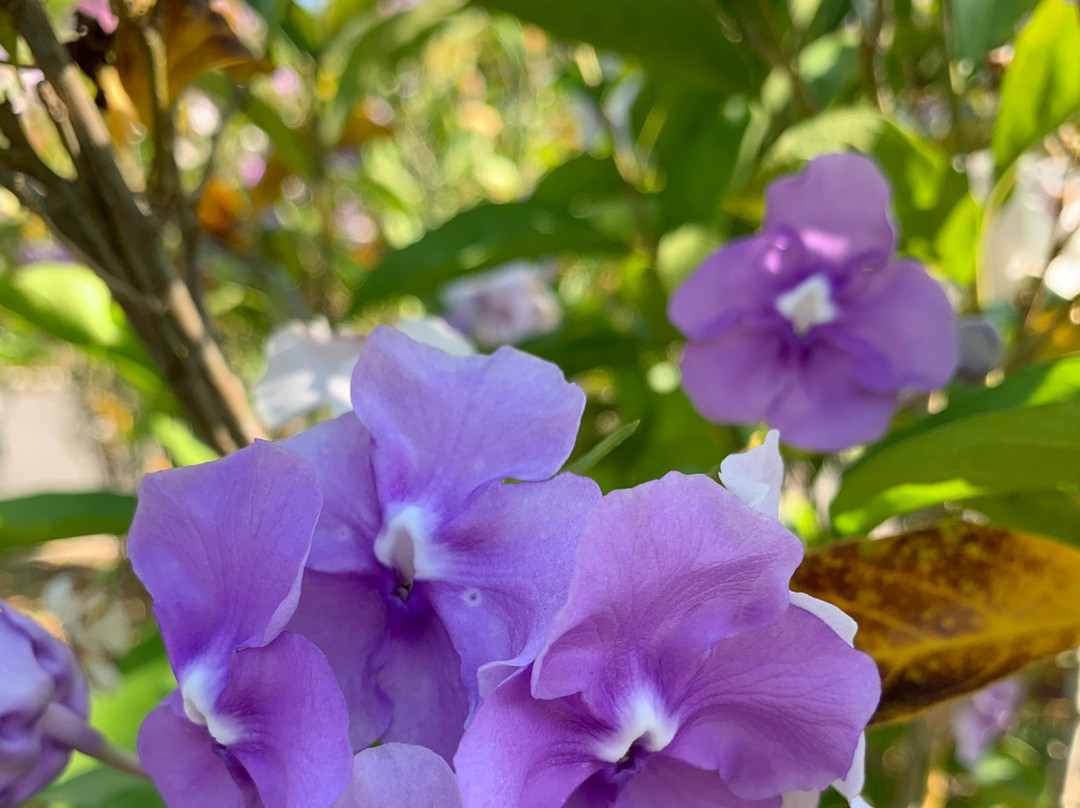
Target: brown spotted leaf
<point>947,610</point>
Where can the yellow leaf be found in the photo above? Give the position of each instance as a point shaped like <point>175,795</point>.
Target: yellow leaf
<point>947,610</point>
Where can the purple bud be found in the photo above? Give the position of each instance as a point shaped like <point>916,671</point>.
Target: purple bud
<point>979,348</point>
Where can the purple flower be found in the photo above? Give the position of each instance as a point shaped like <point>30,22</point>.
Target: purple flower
<point>811,325</point>
<point>258,719</point>
<point>42,691</point>
<point>431,577</point>
<point>980,720</point>
<point>503,306</point>
<point>679,672</point>
<point>397,775</point>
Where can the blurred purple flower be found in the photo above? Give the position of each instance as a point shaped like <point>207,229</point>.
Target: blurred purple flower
<point>99,10</point>
<point>397,775</point>
<point>258,715</point>
<point>285,81</point>
<point>430,578</point>
<point>811,325</point>
<point>504,306</point>
<point>980,720</point>
<point>980,349</point>
<point>252,167</point>
<point>680,671</point>
<point>42,695</point>
<point>42,250</point>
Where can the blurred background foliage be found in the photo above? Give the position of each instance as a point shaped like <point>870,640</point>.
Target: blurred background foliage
<point>348,159</point>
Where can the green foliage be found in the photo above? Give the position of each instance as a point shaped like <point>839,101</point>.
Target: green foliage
<point>1041,89</point>
<point>27,521</point>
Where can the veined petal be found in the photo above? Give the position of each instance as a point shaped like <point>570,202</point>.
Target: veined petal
<point>340,453</point>
<point>345,617</point>
<point>444,425</point>
<point>521,752</point>
<point>506,567</point>
<point>778,709</point>
<point>293,723</point>
<point>675,562</point>
<point>756,476</point>
<point>397,775</point>
<point>171,748</point>
<point>221,547</point>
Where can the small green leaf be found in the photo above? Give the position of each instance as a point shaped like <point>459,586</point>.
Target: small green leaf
<point>179,442</point>
<point>601,450</point>
<point>1041,88</point>
<point>27,521</point>
<point>104,788</point>
<point>67,301</point>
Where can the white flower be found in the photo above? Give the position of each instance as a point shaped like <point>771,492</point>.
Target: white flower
<point>309,365</point>
<point>503,306</point>
<point>99,629</point>
<point>756,476</point>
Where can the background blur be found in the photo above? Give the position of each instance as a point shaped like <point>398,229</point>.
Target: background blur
<point>347,163</point>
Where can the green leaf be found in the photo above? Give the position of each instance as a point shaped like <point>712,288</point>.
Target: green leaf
<point>1028,449</point>
<point>679,36</point>
<point>183,448</point>
<point>601,450</point>
<point>104,788</point>
<point>67,301</point>
<point>1049,513</point>
<point>1041,88</point>
<point>27,521</point>
<point>584,177</point>
<point>980,26</point>
<point>484,236</point>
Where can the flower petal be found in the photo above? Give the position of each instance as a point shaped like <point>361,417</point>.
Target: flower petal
<point>507,570</point>
<point>421,677</point>
<point>778,709</point>
<point>756,476</point>
<point>221,548</point>
<point>445,425</point>
<point>340,453</point>
<point>676,561</point>
<point>735,378</point>
<point>903,317</point>
<point>523,752</point>
<point>823,409</point>
<point>665,781</point>
<point>294,723</point>
<point>736,282</point>
<point>345,617</point>
<point>395,775</point>
<point>171,748</point>
<point>839,208</point>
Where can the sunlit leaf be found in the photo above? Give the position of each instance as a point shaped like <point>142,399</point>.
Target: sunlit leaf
<point>26,521</point>
<point>948,610</point>
<point>179,442</point>
<point>681,36</point>
<point>67,301</point>
<point>1028,449</point>
<point>1041,88</point>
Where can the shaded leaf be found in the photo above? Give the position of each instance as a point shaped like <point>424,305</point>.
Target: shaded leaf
<point>680,36</point>
<point>601,450</point>
<point>1049,513</point>
<point>1041,88</point>
<point>26,521</point>
<point>484,236</point>
<point>1027,449</point>
<point>947,610</point>
<point>979,26</point>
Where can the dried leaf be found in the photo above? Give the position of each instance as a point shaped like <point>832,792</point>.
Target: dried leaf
<point>947,610</point>
<point>219,211</point>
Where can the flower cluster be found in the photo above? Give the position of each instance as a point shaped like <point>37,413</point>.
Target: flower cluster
<point>417,573</point>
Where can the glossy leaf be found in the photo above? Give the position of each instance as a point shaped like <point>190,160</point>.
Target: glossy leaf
<point>1049,513</point>
<point>183,448</point>
<point>1028,449</point>
<point>26,521</point>
<point>680,36</point>
<point>67,301</point>
<point>1041,88</point>
<point>947,610</point>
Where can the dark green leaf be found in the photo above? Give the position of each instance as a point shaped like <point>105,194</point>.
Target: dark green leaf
<point>1041,88</point>
<point>680,36</point>
<point>980,26</point>
<point>105,788</point>
<point>42,517</point>
<point>1049,513</point>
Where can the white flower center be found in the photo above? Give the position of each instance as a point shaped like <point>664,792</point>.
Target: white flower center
<point>644,724</point>
<point>808,304</point>
<point>199,692</point>
<point>405,546</point>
